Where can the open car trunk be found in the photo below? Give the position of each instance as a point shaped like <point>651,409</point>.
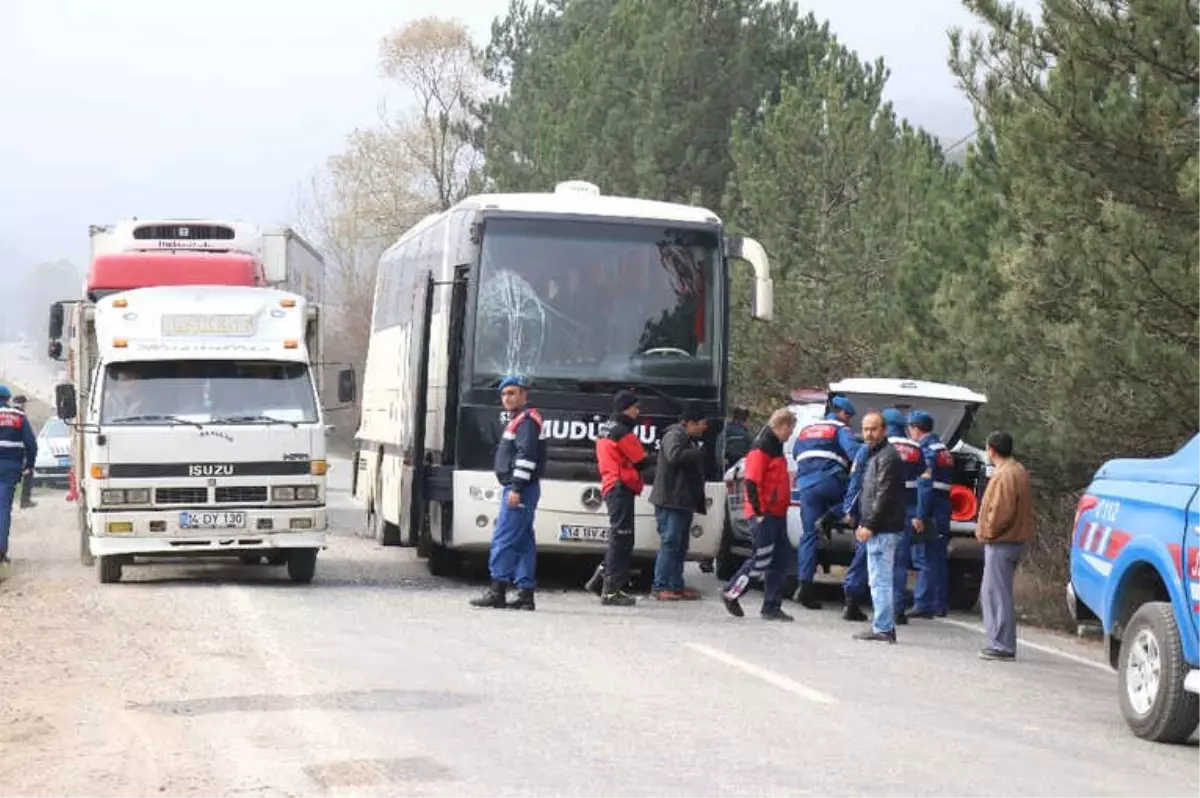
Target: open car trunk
<point>953,407</point>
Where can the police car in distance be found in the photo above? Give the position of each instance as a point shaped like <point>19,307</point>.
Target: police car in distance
<point>54,453</point>
<point>1135,567</point>
<point>953,408</point>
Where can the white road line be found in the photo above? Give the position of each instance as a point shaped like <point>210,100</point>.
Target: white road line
<point>762,673</point>
<point>1091,663</point>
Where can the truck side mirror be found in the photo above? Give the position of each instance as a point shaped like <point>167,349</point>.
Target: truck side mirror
<point>64,401</point>
<point>56,320</point>
<point>346,387</point>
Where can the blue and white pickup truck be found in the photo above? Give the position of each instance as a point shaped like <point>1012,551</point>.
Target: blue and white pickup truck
<point>1135,566</point>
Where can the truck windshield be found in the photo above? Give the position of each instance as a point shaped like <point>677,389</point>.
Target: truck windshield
<point>568,300</point>
<point>207,391</point>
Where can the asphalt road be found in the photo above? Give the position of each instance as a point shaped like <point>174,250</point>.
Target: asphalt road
<point>378,679</point>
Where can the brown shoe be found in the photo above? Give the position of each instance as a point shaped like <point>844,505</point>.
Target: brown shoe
<point>668,595</point>
<point>690,594</point>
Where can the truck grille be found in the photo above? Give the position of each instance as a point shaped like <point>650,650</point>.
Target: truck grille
<point>181,495</point>
<point>183,230</point>
<point>241,494</point>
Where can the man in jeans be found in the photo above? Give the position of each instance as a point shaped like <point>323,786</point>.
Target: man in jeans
<point>677,495</point>
<point>882,508</point>
<point>768,495</point>
<point>1006,525</point>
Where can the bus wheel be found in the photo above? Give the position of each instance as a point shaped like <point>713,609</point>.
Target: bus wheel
<point>442,561</point>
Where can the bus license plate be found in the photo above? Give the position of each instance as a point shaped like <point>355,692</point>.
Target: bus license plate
<point>585,534</point>
<point>191,520</point>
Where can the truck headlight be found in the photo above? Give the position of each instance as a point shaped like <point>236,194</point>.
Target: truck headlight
<point>137,496</point>
<point>283,493</point>
<point>306,493</point>
<point>112,497</point>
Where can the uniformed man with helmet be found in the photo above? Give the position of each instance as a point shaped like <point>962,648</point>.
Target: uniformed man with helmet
<point>932,518</point>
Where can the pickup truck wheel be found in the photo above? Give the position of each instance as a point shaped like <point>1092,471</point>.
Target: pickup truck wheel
<point>109,569</point>
<point>302,565</point>
<point>965,580</point>
<point>1151,670</point>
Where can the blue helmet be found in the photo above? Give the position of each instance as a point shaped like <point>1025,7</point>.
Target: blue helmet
<point>5,393</point>
<point>513,379</point>
<point>842,403</point>
<point>920,419</point>
<point>893,417</point>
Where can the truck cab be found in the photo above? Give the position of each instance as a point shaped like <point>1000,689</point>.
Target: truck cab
<point>1135,568</point>
<point>202,433</point>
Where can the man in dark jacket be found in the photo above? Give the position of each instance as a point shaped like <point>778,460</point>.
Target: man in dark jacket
<point>768,495</point>
<point>27,501</point>
<point>736,437</point>
<point>882,505</point>
<point>622,462</point>
<point>677,495</point>
<point>520,461</point>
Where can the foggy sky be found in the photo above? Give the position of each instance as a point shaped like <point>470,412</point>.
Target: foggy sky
<point>119,108</point>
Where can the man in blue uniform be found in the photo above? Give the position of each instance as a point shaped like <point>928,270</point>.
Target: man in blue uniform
<point>520,461</point>
<point>855,588</point>
<point>911,456</point>
<point>823,452</point>
<point>18,453</point>
<point>932,518</point>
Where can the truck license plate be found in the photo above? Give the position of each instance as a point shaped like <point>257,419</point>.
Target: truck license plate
<point>193,520</point>
<point>585,534</point>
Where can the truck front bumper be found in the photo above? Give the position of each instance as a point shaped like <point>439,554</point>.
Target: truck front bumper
<point>290,528</point>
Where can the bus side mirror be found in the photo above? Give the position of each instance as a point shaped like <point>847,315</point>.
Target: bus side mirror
<point>749,250</point>
<point>346,388</point>
<point>64,401</point>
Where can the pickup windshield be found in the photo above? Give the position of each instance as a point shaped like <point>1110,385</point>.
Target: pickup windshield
<point>207,391</point>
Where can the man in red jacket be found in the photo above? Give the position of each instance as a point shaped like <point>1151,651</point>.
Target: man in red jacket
<point>622,461</point>
<point>768,493</point>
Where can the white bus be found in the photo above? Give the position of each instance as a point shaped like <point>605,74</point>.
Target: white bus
<point>583,295</point>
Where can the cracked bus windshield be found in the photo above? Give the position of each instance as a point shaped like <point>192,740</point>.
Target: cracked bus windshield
<point>155,392</point>
<point>598,301</point>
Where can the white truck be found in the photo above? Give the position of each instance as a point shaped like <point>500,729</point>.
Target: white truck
<point>197,425</point>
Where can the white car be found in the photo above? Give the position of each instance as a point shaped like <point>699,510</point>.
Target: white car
<point>54,453</point>
<point>953,408</point>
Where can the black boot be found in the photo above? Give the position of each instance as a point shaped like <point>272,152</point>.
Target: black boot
<point>524,600</point>
<point>807,597</point>
<point>852,611</point>
<point>596,583</point>
<point>614,594</point>
<point>493,597</point>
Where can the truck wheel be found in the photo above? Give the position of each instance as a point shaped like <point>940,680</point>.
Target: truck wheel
<point>278,558</point>
<point>250,559</point>
<point>302,565</point>
<point>965,579</point>
<point>442,561</point>
<point>109,569</point>
<point>1151,670</point>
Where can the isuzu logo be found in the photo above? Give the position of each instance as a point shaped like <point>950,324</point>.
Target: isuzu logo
<point>210,470</point>
<point>592,499</point>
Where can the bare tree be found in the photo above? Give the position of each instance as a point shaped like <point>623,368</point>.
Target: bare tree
<point>436,63</point>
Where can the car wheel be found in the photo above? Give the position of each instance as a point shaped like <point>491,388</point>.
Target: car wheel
<point>1151,671</point>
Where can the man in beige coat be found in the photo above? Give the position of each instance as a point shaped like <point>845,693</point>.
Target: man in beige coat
<point>1006,525</point>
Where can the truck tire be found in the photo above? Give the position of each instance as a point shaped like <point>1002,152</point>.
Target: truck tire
<point>443,561</point>
<point>302,565</point>
<point>1156,709</point>
<point>109,569</point>
<point>965,580</point>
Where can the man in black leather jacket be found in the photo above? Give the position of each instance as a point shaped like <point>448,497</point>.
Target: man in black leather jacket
<point>882,506</point>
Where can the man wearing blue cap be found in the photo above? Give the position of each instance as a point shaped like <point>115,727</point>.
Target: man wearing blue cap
<point>932,520</point>
<point>520,461</point>
<point>18,453</point>
<point>823,452</point>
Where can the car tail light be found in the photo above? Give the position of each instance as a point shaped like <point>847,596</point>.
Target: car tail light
<point>1086,502</point>
<point>963,504</point>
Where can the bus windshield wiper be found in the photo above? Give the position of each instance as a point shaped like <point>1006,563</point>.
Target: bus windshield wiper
<point>155,417</point>
<point>254,419</point>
